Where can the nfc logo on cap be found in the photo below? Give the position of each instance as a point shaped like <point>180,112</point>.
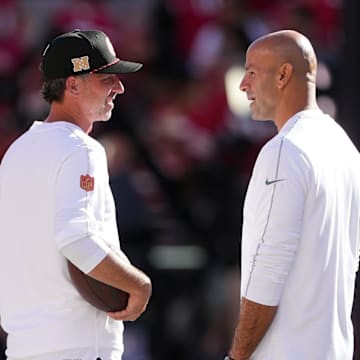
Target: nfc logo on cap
<point>80,64</point>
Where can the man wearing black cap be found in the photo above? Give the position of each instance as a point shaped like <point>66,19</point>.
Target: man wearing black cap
<point>56,205</point>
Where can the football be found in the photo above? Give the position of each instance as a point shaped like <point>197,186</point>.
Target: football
<point>104,297</point>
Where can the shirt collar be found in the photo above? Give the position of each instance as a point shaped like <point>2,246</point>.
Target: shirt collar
<point>301,114</point>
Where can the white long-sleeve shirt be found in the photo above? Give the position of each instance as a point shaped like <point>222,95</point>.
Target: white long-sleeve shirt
<point>54,192</point>
<point>300,240</point>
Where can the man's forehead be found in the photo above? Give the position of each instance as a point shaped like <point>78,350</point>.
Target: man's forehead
<point>265,53</point>
<point>263,47</point>
<point>258,55</point>
<point>100,76</point>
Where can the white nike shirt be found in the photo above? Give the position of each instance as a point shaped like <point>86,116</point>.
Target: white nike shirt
<point>54,192</point>
<point>300,240</point>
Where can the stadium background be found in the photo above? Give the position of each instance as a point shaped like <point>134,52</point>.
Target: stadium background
<point>180,143</point>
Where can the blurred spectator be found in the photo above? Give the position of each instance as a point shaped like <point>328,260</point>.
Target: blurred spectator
<point>87,14</point>
<point>12,37</point>
<point>12,51</point>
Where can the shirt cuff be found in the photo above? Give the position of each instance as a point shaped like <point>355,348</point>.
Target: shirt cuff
<point>86,253</point>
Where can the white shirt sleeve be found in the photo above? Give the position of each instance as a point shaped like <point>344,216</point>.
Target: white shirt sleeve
<point>85,254</point>
<point>80,200</point>
<point>273,214</point>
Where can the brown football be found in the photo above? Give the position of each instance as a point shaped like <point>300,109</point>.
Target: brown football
<point>104,297</point>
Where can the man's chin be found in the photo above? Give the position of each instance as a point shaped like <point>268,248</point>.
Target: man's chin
<point>257,117</point>
<point>105,118</point>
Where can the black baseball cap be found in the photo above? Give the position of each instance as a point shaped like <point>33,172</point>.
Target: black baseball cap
<point>80,52</point>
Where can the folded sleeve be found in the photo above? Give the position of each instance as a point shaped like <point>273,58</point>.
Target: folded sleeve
<point>85,254</point>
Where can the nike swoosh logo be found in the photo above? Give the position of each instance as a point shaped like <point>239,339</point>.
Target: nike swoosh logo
<point>269,182</point>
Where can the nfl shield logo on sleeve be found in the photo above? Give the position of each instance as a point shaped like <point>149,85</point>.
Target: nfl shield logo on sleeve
<point>87,182</point>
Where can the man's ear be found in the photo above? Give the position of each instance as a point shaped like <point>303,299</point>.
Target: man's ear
<point>72,85</point>
<point>284,74</point>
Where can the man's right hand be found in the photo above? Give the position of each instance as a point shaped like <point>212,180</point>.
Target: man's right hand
<point>137,304</point>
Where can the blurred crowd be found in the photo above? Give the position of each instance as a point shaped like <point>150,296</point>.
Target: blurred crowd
<point>180,155</point>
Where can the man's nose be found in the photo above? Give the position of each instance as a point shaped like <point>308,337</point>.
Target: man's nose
<point>243,85</point>
<point>119,87</point>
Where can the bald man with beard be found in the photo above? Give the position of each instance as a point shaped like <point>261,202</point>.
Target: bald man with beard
<point>301,228</point>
